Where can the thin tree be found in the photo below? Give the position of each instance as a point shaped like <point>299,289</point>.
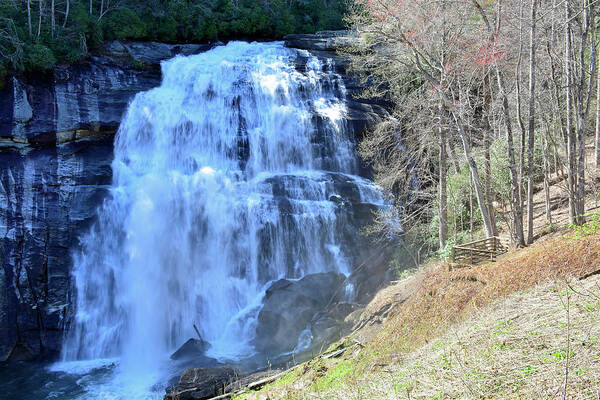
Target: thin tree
<point>531,122</point>
<point>517,209</point>
<point>41,13</point>
<point>597,140</point>
<point>443,195</point>
<point>29,16</point>
<point>584,92</point>
<point>52,19</point>
<point>570,140</point>
<point>66,14</point>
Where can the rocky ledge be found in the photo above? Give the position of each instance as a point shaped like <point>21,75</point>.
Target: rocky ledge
<point>74,101</point>
<point>78,100</point>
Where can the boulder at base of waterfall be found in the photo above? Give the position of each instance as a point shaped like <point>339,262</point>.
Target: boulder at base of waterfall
<point>191,348</point>
<point>329,324</point>
<point>201,383</point>
<point>289,307</point>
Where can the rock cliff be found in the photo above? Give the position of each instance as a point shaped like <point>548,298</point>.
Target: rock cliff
<point>55,155</point>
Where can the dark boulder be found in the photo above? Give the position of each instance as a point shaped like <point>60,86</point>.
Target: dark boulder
<point>289,307</point>
<point>192,349</point>
<point>150,52</point>
<point>320,41</point>
<point>328,325</point>
<point>201,383</point>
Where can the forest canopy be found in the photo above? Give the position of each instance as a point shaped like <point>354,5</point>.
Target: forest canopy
<point>37,34</point>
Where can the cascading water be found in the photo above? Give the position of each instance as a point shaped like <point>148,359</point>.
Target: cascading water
<point>225,179</point>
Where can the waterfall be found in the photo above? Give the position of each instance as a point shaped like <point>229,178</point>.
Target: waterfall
<point>224,179</point>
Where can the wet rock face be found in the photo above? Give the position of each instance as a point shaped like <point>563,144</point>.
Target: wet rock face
<point>77,100</point>
<point>289,307</point>
<point>320,41</point>
<point>47,197</point>
<point>55,154</point>
<point>70,103</point>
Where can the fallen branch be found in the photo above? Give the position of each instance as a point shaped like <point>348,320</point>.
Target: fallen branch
<point>596,272</point>
<point>335,353</point>
<point>258,384</point>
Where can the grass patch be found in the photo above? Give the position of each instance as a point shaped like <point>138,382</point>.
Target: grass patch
<point>334,377</point>
<point>592,227</point>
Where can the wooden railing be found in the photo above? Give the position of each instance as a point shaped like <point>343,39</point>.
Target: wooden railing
<point>479,251</point>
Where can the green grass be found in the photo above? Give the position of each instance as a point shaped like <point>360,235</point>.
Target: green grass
<point>592,227</point>
<point>334,377</point>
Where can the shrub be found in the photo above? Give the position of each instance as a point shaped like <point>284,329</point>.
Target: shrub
<point>123,24</point>
<point>38,58</point>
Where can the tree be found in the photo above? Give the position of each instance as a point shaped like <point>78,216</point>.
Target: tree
<point>531,122</point>
<point>406,32</point>
<point>29,16</point>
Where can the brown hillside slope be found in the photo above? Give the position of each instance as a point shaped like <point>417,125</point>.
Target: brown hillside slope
<point>492,331</point>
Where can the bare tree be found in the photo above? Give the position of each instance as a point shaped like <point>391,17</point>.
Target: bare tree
<point>597,140</point>
<point>516,205</point>
<point>570,139</point>
<point>531,122</point>
<point>442,184</point>
<point>52,19</point>
<point>29,16</point>
<point>66,14</point>
<point>41,13</point>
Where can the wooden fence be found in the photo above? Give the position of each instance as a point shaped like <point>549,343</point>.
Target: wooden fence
<point>479,251</point>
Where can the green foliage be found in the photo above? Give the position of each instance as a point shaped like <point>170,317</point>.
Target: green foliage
<point>38,58</point>
<point>334,376</point>
<point>159,20</point>
<point>592,227</point>
<point>123,24</point>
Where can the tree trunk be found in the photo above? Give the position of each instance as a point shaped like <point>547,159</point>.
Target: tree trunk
<point>517,210</point>
<point>487,130</point>
<point>443,203</point>
<point>531,124</point>
<point>52,19</point>
<point>584,95</point>
<point>471,210</point>
<point>521,170</point>
<point>547,178</point>
<point>91,7</point>
<point>597,141</point>
<point>29,16</point>
<point>41,4</point>
<point>66,14</point>
<point>569,129</point>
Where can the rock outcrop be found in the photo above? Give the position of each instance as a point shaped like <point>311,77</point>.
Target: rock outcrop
<point>201,383</point>
<point>74,101</point>
<point>289,307</point>
<point>47,197</point>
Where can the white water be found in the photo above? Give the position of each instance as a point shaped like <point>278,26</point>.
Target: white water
<point>222,183</point>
